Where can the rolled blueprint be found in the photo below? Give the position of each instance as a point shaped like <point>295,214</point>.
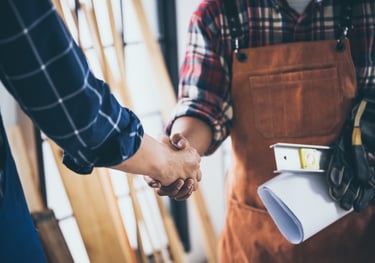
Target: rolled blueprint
<point>299,204</point>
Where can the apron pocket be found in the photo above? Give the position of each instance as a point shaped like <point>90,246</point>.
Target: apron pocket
<point>251,236</point>
<point>296,104</point>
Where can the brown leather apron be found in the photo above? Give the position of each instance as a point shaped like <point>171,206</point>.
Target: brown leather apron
<point>293,93</point>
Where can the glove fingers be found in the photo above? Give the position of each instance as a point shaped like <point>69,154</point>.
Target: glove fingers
<point>371,161</point>
<point>362,164</point>
<point>339,181</point>
<point>350,196</point>
<point>364,199</point>
<point>335,176</point>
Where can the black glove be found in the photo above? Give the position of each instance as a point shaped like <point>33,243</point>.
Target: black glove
<point>351,173</point>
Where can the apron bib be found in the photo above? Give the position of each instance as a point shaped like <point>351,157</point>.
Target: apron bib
<point>294,93</point>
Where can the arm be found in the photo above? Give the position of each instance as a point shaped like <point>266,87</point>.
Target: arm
<point>163,164</point>
<point>197,132</point>
<point>48,75</point>
<point>198,135</point>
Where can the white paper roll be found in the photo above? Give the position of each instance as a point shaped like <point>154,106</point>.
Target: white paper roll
<point>299,204</point>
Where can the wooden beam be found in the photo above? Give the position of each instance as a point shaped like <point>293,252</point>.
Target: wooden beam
<point>96,212</point>
<point>163,81</point>
<point>54,244</point>
<point>52,239</point>
<point>19,151</point>
<point>209,235</point>
<point>175,244</point>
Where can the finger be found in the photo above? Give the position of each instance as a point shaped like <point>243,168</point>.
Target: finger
<point>151,182</point>
<point>340,183</point>
<point>195,187</point>
<point>348,199</point>
<point>185,190</point>
<point>199,176</point>
<point>164,139</point>
<point>364,198</point>
<point>371,159</point>
<point>336,176</point>
<point>172,189</point>
<point>185,196</point>
<point>179,141</point>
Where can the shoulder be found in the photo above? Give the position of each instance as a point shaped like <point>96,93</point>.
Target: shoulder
<point>209,14</point>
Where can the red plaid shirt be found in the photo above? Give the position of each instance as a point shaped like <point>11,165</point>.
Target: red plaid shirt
<point>205,81</point>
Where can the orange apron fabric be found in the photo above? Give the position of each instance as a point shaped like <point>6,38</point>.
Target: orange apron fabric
<point>293,93</point>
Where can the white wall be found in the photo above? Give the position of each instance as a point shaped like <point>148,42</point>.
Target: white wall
<point>8,107</point>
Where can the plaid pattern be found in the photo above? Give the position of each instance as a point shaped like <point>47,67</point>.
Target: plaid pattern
<point>47,73</point>
<point>205,91</point>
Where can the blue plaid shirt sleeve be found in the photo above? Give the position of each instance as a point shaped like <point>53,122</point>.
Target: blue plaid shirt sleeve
<point>48,75</point>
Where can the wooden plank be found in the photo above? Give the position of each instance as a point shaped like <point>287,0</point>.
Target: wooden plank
<point>92,234</point>
<point>138,218</point>
<point>48,229</point>
<point>209,235</point>
<point>121,88</point>
<point>175,244</point>
<point>67,15</point>
<point>157,62</point>
<point>93,27</point>
<point>19,151</point>
<point>54,244</point>
<point>96,212</point>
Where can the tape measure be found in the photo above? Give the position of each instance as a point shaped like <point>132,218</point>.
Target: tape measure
<point>301,157</point>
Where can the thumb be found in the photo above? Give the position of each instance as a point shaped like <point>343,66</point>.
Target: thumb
<point>179,141</point>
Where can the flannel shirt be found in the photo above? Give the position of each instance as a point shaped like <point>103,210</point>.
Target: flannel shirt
<point>205,76</point>
<point>48,75</point>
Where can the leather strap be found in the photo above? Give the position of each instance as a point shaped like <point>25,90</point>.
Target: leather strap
<point>345,23</point>
<point>230,9</point>
<point>231,12</point>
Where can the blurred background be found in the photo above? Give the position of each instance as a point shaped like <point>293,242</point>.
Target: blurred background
<point>137,47</point>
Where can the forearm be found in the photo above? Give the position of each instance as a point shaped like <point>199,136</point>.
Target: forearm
<point>161,162</point>
<point>148,160</point>
<point>197,132</point>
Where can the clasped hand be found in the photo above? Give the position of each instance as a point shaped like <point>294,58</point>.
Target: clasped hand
<point>351,173</point>
<point>180,189</point>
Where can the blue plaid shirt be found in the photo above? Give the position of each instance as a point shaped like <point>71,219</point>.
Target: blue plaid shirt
<point>47,73</point>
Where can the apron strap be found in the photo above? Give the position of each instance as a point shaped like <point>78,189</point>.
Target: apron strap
<point>345,23</point>
<point>230,9</point>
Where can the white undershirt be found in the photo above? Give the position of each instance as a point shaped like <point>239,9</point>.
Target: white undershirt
<point>298,5</point>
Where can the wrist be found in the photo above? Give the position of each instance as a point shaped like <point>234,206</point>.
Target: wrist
<point>148,160</point>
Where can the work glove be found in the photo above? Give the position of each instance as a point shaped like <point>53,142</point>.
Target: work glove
<point>351,171</point>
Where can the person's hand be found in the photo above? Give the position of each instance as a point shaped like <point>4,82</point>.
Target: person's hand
<point>180,189</point>
<point>351,172</point>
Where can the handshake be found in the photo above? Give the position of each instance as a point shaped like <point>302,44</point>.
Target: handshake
<point>351,172</point>
<point>180,189</point>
